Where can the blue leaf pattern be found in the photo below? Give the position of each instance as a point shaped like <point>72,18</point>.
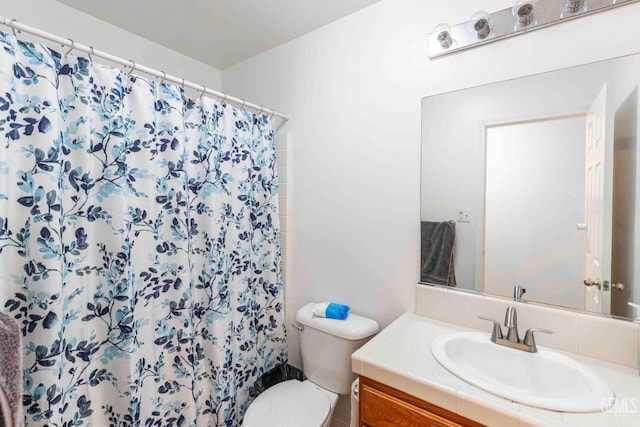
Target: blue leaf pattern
<point>139,245</point>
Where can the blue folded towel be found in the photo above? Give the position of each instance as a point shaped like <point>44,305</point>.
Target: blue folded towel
<point>331,310</point>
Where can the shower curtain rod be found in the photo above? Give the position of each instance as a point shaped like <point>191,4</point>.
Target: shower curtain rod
<point>127,63</point>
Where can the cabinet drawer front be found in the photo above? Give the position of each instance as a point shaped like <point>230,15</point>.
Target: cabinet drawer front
<point>382,410</point>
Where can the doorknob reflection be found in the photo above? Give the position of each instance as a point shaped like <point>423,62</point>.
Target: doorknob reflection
<point>618,286</point>
<point>591,282</point>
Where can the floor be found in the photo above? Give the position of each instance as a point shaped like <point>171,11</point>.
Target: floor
<point>342,414</point>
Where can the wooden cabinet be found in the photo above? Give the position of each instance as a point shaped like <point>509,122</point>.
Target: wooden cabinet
<point>384,406</point>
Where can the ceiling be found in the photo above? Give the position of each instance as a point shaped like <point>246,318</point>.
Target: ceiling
<point>219,33</point>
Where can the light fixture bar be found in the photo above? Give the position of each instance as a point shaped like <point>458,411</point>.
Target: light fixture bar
<point>525,16</point>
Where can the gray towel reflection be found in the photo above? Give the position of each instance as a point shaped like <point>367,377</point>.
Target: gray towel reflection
<point>436,260</point>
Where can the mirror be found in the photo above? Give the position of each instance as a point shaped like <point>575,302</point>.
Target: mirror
<point>534,181</point>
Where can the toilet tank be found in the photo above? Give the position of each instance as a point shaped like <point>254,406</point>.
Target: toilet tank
<point>326,346</point>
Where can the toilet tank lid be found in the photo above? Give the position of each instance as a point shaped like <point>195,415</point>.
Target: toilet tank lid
<point>353,328</point>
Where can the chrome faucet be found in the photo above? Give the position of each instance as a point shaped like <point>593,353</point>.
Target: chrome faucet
<point>513,340</point>
<point>511,322</point>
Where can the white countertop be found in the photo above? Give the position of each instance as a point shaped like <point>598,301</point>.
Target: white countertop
<point>400,357</point>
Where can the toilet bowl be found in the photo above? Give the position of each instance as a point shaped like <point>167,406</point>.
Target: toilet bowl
<point>326,346</point>
<point>292,403</point>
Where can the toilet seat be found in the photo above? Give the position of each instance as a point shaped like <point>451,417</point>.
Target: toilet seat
<point>290,403</point>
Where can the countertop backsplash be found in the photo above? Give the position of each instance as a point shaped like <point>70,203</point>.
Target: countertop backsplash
<point>609,339</point>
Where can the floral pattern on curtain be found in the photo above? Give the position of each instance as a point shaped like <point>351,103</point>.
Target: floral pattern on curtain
<point>139,245</point>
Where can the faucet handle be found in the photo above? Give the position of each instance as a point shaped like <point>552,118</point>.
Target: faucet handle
<point>528,337</point>
<point>497,329</point>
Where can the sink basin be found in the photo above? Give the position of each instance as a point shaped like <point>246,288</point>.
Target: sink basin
<point>545,379</point>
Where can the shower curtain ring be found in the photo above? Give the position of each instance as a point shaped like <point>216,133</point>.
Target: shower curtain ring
<point>204,89</point>
<point>244,103</point>
<point>73,45</point>
<point>13,27</point>
<point>164,77</point>
<point>132,67</point>
<point>90,53</point>
<point>224,98</point>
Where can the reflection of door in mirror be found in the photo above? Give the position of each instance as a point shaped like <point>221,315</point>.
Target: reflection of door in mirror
<point>534,197</point>
<point>597,253</point>
<point>611,157</point>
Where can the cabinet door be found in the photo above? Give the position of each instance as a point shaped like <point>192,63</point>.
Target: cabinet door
<point>382,406</point>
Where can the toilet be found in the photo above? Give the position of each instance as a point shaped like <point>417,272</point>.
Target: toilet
<point>326,346</point>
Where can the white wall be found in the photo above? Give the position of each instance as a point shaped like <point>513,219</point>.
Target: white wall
<point>534,198</point>
<point>64,21</point>
<point>353,90</point>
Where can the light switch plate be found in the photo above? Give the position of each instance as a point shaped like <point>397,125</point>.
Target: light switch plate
<point>463,215</point>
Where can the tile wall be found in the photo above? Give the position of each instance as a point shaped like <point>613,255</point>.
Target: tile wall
<point>604,338</point>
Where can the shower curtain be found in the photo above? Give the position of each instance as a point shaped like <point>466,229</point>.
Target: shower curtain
<point>139,245</point>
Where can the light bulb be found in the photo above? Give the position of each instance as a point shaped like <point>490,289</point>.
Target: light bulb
<point>524,12</point>
<point>479,24</point>
<point>573,6</point>
<point>443,34</point>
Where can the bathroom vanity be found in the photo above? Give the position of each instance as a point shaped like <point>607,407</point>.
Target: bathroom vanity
<point>403,384</point>
<point>383,405</point>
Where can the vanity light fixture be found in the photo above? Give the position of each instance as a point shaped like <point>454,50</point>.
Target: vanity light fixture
<point>480,25</point>
<point>524,16</point>
<point>524,11</point>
